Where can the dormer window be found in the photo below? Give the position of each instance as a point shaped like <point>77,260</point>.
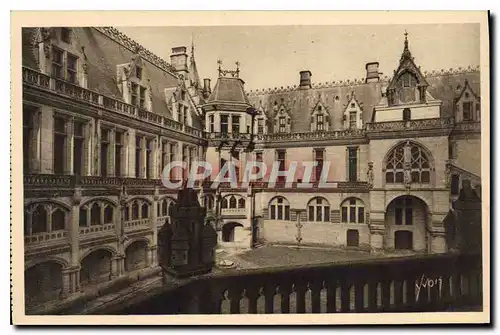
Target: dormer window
<point>183,95</point>
<point>320,121</point>
<point>57,63</point>
<point>138,72</point>
<point>467,110</point>
<point>260,126</point>
<point>64,70</point>
<point>66,35</point>
<point>353,105</point>
<point>71,71</point>
<point>282,124</point>
<point>138,95</point>
<point>352,120</point>
<point>142,97</point>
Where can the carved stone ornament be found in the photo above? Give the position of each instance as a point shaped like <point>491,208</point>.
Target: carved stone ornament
<point>77,196</point>
<point>448,175</point>
<point>369,175</point>
<point>407,176</point>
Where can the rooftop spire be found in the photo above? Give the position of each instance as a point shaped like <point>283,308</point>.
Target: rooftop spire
<point>406,51</point>
<point>193,71</point>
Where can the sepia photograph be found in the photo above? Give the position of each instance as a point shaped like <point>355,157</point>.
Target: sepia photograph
<point>250,165</point>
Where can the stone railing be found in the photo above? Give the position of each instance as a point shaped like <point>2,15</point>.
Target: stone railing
<point>48,180</point>
<point>313,135</point>
<point>134,224</point>
<point>233,211</point>
<point>229,136</point>
<point>365,286</point>
<point>110,227</point>
<point>35,78</point>
<point>422,124</point>
<point>44,237</point>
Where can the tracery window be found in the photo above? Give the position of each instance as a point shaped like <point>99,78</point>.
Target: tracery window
<point>318,210</point>
<point>352,211</point>
<point>279,209</point>
<point>410,158</point>
<point>44,218</point>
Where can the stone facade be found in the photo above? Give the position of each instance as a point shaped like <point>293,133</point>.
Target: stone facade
<point>102,116</point>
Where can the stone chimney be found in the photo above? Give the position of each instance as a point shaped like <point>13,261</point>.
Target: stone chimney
<point>206,87</point>
<point>305,79</point>
<point>178,59</point>
<point>372,74</point>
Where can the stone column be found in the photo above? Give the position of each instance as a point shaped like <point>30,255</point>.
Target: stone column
<point>69,146</point>
<point>111,156</point>
<point>115,267</point>
<point>66,283</point>
<point>154,228</point>
<point>74,229</point>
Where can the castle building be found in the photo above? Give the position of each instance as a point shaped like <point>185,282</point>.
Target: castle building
<point>102,116</point>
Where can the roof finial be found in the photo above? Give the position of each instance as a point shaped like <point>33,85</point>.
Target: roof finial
<point>406,39</point>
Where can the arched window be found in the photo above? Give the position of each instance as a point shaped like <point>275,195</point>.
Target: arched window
<point>411,158</point>
<point>279,209</point>
<point>164,207</point>
<point>39,221</point>
<point>135,211</point>
<point>58,220</point>
<point>352,211</point>
<point>170,208</point>
<point>241,203</point>
<point>145,210</point>
<point>95,214</point>
<point>232,202</point>
<point>224,203</point>
<point>318,210</point>
<point>108,214</point>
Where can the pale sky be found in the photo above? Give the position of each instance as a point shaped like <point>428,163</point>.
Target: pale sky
<point>272,56</point>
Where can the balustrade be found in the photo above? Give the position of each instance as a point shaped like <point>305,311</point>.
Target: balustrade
<point>421,124</point>
<point>110,227</point>
<point>36,78</point>
<point>43,237</point>
<point>134,224</point>
<point>427,283</point>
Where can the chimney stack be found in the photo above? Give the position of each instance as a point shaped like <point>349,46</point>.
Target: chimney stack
<point>178,60</point>
<point>206,87</point>
<point>372,74</point>
<point>305,79</point>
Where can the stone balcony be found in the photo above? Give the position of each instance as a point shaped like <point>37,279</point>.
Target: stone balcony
<point>37,79</point>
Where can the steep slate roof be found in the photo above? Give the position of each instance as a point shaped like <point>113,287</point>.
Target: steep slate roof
<point>228,89</point>
<point>443,85</point>
<point>105,48</point>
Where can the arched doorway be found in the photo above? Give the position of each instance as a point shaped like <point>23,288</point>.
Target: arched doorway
<point>42,283</point>
<point>406,220</point>
<point>228,231</point>
<point>136,256</point>
<point>95,268</point>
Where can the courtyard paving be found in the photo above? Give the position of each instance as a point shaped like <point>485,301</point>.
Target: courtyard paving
<point>277,256</point>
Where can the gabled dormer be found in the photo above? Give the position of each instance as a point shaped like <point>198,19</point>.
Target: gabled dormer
<point>282,118</point>
<point>467,105</point>
<point>353,113</point>
<point>320,117</point>
<point>60,56</point>
<point>406,97</point>
<point>408,85</point>
<point>180,104</point>
<point>261,120</point>
<point>134,83</point>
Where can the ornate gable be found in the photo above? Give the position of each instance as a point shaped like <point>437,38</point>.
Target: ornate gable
<point>408,85</point>
<point>134,83</point>
<point>467,105</point>
<point>320,116</point>
<point>353,113</point>
<point>282,117</point>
